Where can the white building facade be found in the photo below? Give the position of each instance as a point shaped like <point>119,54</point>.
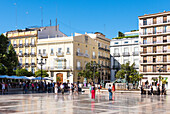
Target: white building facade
<point>124,50</point>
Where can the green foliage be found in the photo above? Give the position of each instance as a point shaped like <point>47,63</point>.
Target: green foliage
<point>11,61</point>
<point>3,48</point>
<point>2,69</point>
<point>58,79</point>
<point>38,73</point>
<point>23,72</point>
<point>120,34</point>
<point>132,75</point>
<point>88,72</point>
<point>126,37</point>
<point>164,80</point>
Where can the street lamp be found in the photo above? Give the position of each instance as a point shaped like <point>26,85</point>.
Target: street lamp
<point>41,63</point>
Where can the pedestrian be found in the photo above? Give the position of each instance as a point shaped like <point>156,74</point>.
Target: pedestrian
<point>32,86</point>
<point>163,90</point>
<point>141,89</point>
<point>110,92</point>
<point>113,87</point>
<point>158,90</point>
<point>151,90</point>
<point>99,89</point>
<point>90,89</point>
<point>3,88</point>
<point>56,88</point>
<point>93,91</point>
<point>76,89</point>
<point>62,88</point>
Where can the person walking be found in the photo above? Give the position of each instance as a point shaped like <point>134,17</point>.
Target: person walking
<point>110,92</point>
<point>151,90</point>
<point>93,91</point>
<point>56,88</point>
<point>90,89</point>
<point>62,88</point>
<point>158,90</point>
<point>3,88</point>
<point>32,86</point>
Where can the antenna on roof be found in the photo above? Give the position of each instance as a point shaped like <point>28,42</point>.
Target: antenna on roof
<point>16,14</point>
<point>56,24</point>
<point>41,16</point>
<point>50,22</point>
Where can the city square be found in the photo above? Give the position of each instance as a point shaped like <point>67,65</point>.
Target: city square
<point>122,103</point>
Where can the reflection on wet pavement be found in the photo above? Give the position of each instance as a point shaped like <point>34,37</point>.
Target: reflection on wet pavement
<point>82,104</point>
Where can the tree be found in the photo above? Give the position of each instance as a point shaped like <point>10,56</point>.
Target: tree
<point>38,73</point>
<point>2,69</point>
<point>89,72</point>
<point>23,72</point>
<point>132,75</point>
<point>3,47</point>
<point>11,60</point>
<point>120,34</point>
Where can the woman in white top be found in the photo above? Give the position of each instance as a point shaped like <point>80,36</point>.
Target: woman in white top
<point>56,88</point>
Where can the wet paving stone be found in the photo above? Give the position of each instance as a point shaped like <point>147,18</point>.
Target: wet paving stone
<point>45,103</point>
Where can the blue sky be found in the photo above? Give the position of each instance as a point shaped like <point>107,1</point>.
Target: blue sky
<point>106,16</point>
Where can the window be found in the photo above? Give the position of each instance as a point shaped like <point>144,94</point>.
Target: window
<point>126,42</point>
<point>15,42</point>
<point>164,19</point>
<point>78,50</point>
<point>145,59</point>
<point>116,42</point>
<point>78,64</point>
<point>136,49</point>
<point>32,70</point>
<point>52,74</point>
<point>86,52</point>
<point>99,62</point>
<point>20,41</point>
<point>32,50</point>
<point>126,50</point>
<point>154,20</point>
<point>59,62</point>
<point>20,51</point>
<point>68,50</point>
<point>32,60</point>
<point>125,61</point>
<point>154,59</point>
<point>164,48</point>
<point>154,30</point>
<point>144,68</point>
<point>144,21</point>
<point>135,41</point>
<point>145,31</point>
<point>144,40</point>
<point>26,41</point>
<point>154,40</point>
<point>116,50</point>
<point>98,53</point>
<point>26,51</point>
<point>52,52</point>
<point>164,68</point>
<point>32,41</point>
<point>39,51</point>
<point>93,53</point>
<point>164,58</point>
<point>154,49</point>
<point>59,50</point>
<point>136,61</point>
<point>105,46</point>
<point>98,44</point>
<point>154,68</point>
<point>164,29</point>
<point>44,51</point>
<point>20,61</point>
<point>26,60</point>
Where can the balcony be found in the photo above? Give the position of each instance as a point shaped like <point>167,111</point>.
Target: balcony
<point>32,44</point>
<point>20,55</point>
<point>15,45</point>
<point>101,57</point>
<point>107,50</point>
<point>32,54</point>
<point>44,55</point>
<point>68,53</point>
<point>32,64</point>
<point>86,55</point>
<point>26,64</point>
<point>78,68</point>
<point>94,57</point>
<point>60,67</point>
<point>60,54</point>
<point>101,48</point>
<point>135,53</point>
<point>126,54</point>
<point>26,45</point>
<point>20,46</point>
<point>116,54</point>
<point>26,54</point>
<point>79,54</point>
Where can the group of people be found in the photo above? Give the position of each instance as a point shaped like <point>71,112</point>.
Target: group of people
<point>92,89</point>
<point>159,91</point>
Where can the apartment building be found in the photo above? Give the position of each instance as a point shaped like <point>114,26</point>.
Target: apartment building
<point>123,50</point>
<point>67,56</point>
<point>24,42</point>
<point>103,54</point>
<point>155,46</point>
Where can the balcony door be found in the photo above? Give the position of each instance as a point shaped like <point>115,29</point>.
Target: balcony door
<point>59,63</point>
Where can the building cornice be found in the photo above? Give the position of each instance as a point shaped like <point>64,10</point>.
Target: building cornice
<point>154,15</point>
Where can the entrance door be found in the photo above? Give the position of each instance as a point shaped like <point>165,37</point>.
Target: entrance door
<point>59,77</point>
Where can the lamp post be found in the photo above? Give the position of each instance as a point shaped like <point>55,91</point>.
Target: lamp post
<point>41,63</point>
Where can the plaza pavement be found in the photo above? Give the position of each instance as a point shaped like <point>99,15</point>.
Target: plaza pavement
<point>49,103</point>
